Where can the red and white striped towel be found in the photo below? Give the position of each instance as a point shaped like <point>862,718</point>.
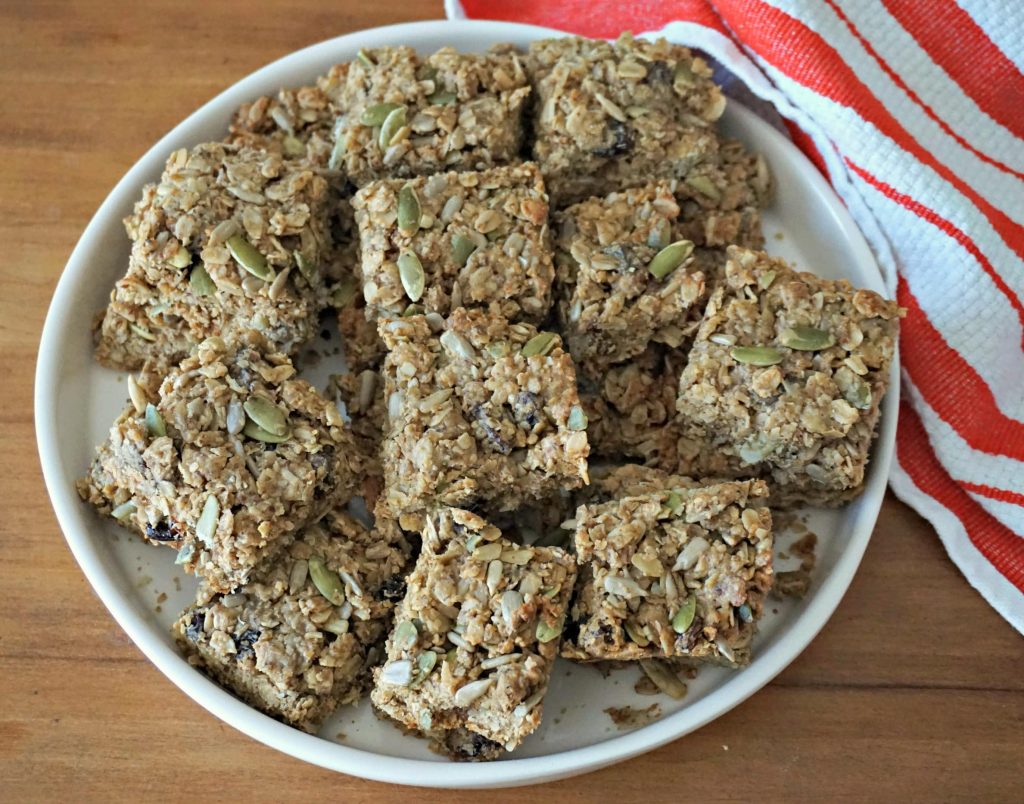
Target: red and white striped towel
<point>915,112</point>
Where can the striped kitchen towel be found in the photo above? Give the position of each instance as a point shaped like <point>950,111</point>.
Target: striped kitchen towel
<point>915,112</point>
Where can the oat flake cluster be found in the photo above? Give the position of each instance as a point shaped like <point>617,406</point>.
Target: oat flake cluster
<point>576,386</point>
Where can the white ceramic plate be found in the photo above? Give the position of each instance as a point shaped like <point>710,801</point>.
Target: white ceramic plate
<point>75,401</point>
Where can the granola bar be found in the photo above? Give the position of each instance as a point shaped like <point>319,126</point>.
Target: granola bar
<point>227,460</point>
<point>409,116</point>
<point>479,411</point>
<point>680,573</point>
<point>475,637</point>
<point>457,239</point>
<point>623,283</point>
<point>299,638</point>
<point>230,239</point>
<point>785,379</point>
<point>621,114</point>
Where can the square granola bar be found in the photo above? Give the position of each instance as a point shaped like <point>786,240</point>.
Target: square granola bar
<point>680,573</point>
<point>479,410</point>
<point>227,460</point>
<point>409,116</point>
<point>623,283</point>
<point>299,638</point>
<point>785,379</point>
<point>457,239</point>
<point>231,238</point>
<point>475,638</point>
<point>609,115</point>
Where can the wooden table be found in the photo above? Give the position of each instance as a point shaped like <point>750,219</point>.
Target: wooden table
<point>913,690</point>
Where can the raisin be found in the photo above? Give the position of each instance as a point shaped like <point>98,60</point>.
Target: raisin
<point>604,630</point>
<point>623,139</point>
<point>572,631</point>
<point>658,72</point>
<point>244,643</point>
<point>194,629</point>
<point>491,433</point>
<point>526,409</point>
<point>392,589</point>
<point>162,531</point>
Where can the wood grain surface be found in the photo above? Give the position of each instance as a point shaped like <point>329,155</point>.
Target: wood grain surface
<point>912,691</point>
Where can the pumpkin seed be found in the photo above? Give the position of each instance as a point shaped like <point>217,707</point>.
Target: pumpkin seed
<point>683,618</point>
<point>858,393</point>
<point>666,680</point>
<point>745,613</point>
<point>425,720</point>
<point>202,284</point>
<point>124,511</point>
<point>376,114</point>
<point>182,258</point>
<point>267,415</point>
<point>142,332</point>
<point>462,248</point>
<point>426,662</point>
<point>405,635</point>
<point>185,554</point>
<point>306,267</point>
<point>155,424</point>
<point>345,292</point>
<point>806,339</point>
<point>670,258</point>
<point>409,211</point>
<point>327,583</point>
<point>637,634</point>
<point>392,123</point>
<point>365,58</point>
<point>674,502</point>
<point>442,97</point>
<point>410,271</point>
<point>206,527</point>
<point>254,431</point>
<point>336,625</point>
<point>293,146</point>
<point>764,281</point>
<point>660,234</point>
<point>412,309</point>
<point>577,418</point>
<point>756,355</point>
<point>547,632</point>
<point>337,153</point>
<point>704,186</point>
<point>249,258</point>
<point>539,344</point>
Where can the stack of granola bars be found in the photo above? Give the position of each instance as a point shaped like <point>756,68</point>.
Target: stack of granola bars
<point>537,260</point>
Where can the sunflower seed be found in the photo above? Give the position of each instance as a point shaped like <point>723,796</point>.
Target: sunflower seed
<point>807,339</point>
<point>326,582</point>
<point>745,613</point>
<point>181,258</point>
<point>124,511</point>
<point>336,625</point>
<point>691,551</point>
<point>155,425</point>
<point>456,639</point>
<point>202,284</point>
<point>469,693</point>
<point>765,280</point>
<point>206,527</point>
<point>683,618</point>
<point>397,674</point>
<point>857,392</point>
<point>233,601</point>
<point>409,210</point>
<point>487,552</point>
<point>222,231</point>
<point>528,705</point>
<point>425,720</point>
<point>511,602</point>
<point>249,258</point>
<point>392,124</point>
<point>704,186</point>
<point>756,355</point>
<point>293,147</point>
<point>410,271</point>
<point>337,153</point>
<point>577,418</point>
<point>455,343</point>
<point>376,114</point>
<point>137,395</point>
<point>494,573</point>
<point>267,415</point>
<point>462,248</point>
<point>405,635</point>
<point>623,587</point>
<point>722,339</point>
<point>683,78</point>
<point>426,662</point>
<point>365,58</point>
<point>610,107</point>
<point>650,567</point>
<point>306,267</point>
<point>631,69</point>
<point>667,681</point>
<point>518,558</point>
<point>500,661</point>
<point>297,576</point>
<point>442,97</point>
<point>142,332</point>
<point>539,344</point>
<point>670,258</point>
<point>277,286</point>
<point>185,554</point>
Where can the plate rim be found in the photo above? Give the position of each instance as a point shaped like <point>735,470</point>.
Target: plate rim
<point>360,762</point>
